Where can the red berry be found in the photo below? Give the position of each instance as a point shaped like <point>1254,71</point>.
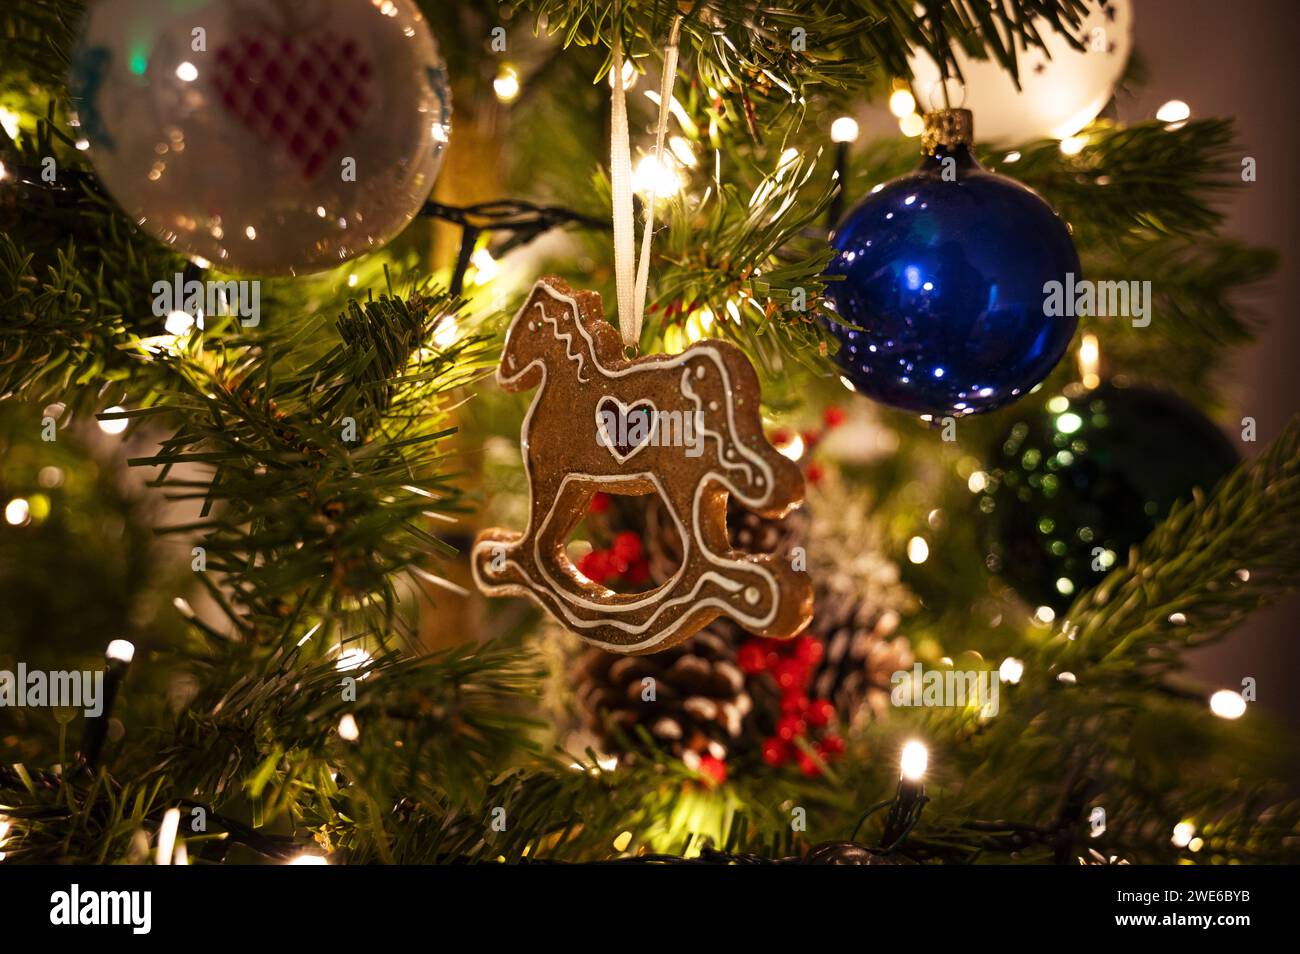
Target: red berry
<point>638,572</point>
<point>627,546</point>
<point>791,673</point>
<point>775,752</point>
<point>599,502</point>
<point>832,745</point>
<point>595,566</point>
<point>820,712</point>
<point>794,703</point>
<point>752,658</point>
<point>808,765</point>
<point>780,437</point>
<point>814,473</point>
<point>834,416</point>
<point>787,727</point>
<point>810,438</point>
<point>809,649</point>
<point>713,770</point>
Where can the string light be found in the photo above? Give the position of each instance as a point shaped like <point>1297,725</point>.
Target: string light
<point>912,125</point>
<point>18,512</point>
<point>1073,145</point>
<point>844,129</point>
<point>349,731</point>
<point>308,859</point>
<point>352,658</point>
<point>506,85</point>
<point>1011,670</point>
<point>1089,361</point>
<point>914,761</point>
<point>661,176</point>
<point>918,551</point>
<point>1175,113</point>
<point>167,836</point>
<point>1184,832</point>
<point>902,102</point>
<point>116,425</point>
<point>447,333</point>
<point>187,72</point>
<point>485,266</point>
<point>121,650</point>
<point>1227,704</point>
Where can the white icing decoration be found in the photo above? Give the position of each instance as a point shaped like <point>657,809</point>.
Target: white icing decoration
<point>755,468</point>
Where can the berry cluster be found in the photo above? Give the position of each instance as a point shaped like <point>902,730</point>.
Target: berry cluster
<point>791,664</point>
<point>623,564</point>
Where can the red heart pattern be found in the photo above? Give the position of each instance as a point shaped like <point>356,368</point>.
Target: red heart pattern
<point>302,96</point>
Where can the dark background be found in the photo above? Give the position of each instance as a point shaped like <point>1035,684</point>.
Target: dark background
<point>1239,60</point>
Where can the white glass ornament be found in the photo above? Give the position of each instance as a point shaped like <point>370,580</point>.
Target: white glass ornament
<point>1060,93</point>
<point>267,136</point>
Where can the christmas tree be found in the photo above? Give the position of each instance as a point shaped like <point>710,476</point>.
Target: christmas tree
<point>265,269</point>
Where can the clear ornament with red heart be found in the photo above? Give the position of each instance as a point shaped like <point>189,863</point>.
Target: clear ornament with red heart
<point>261,136</point>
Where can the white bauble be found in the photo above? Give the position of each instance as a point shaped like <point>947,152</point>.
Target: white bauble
<point>1059,94</point>
<point>266,136</point>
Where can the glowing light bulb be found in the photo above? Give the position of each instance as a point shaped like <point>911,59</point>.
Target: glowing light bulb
<point>116,425</point>
<point>1011,670</point>
<point>349,731</point>
<point>167,836</point>
<point>1227,704</point>
<point>178,322</point>
<point>1073,145</point>
<point>1090,361</point>
<point>485,266</point>
<point>902,103</point>
<point>306,859</point>
<point>506,85</point>
<point>912,125</point>
<point>352,658</point>
<point>187,72</point>
<point>918,551</point>
<point>845,129</point>
<point>914,761</point>
<point>661,177</point>
<point>1184,832</point>
<point>120,650</point>
<point>1175,113</point>
<point>17,512</point>
<point>447,333</point>
<point>9,122</point>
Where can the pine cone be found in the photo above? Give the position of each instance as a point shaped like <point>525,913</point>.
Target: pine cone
<point>700,703</point>
<point>862,653</point>
<point>746,530</point>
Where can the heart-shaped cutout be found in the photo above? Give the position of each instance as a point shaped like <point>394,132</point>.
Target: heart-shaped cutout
<point>301,95</point>
<point>625,428</point>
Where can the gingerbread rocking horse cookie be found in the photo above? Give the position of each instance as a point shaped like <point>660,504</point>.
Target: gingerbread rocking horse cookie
<point>685,426</point>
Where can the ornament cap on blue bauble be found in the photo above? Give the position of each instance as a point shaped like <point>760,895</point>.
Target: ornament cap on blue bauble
<point>944,274</point>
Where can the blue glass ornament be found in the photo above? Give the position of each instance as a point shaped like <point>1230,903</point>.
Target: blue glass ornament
<point>944,274</point>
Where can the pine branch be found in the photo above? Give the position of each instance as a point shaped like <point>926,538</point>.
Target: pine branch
<point>1212,561</point>
<point>320,474</point>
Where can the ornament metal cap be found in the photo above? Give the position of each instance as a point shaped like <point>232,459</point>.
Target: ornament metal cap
<point>947,129</point>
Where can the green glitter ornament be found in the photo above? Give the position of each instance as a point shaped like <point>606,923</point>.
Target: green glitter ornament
<point>1084,476</point>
